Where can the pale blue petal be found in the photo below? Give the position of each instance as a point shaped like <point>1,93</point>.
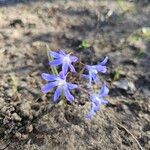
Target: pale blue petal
<point>62,52</point>
<point>57,93</point>
<point>55,62</point>
<point>103,101</point>
<point>94,77</point>
<point>62,76</point>
<point>85,76</point>
<point>48,77</point>
<point>54,54</point>
<point>47,87</point>
<point>71,86</point>
<point>68,95</point>
<point>101,68</point>
<point>93,98</point>
<point>96,107</point>
<point>104,61</point>
<point>104,90</point>
<point>92,112</point>
<point>72,68</point>
<point>90,80</point>
<point>73,58</point>
<point>65,68</point>
<point>88,67</point>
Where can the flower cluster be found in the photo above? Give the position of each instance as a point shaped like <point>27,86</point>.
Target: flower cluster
<point>63,87</point>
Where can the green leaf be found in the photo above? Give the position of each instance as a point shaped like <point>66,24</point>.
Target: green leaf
<point>84,44</point>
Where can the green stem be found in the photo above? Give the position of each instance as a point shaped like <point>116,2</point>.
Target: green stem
<point>53,69</point>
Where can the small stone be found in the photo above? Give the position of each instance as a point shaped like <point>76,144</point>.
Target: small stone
<point>25,108</point>
<point>4,109</point>
<point>9,92</point>
<point>5,85</point>
<point>18,135</point>
<point>148,133</point>
<point>121,84</point>
<point>2,103</point>
<point>24,136</point>
<point>126,85</point>
<point>146,92</point>
<point>16,117</point>
<point>30,128</point>
<point>131,87</point>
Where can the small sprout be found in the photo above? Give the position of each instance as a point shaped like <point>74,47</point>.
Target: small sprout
<point>117,74</point>
<point>145,33</point>
<point>84,44</point>
<point>126,6</point>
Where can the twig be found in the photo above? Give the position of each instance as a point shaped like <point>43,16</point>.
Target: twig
<point>131,135</point>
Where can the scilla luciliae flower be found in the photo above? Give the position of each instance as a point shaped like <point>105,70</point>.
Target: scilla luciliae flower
<point>94,70</point>
<point>62,86</point>
<point>97,100</point>
<point>66,60</point>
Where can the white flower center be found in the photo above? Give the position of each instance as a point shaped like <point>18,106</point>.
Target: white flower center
<point>97,98</point>
<point>61,83</point>
<point>93,71</point>
<point>66,59</point>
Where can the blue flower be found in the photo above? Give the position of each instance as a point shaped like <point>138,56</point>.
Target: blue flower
<point>93,71</point>
<point>62,86</point>
<point>64,59</point>
<point>97,100</point>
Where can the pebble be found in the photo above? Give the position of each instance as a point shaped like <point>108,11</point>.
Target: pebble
<point>9,92</point>
<point>131,86</point>
<point>121,84</point>
<point>29,128</point>
<point>126,85</point>
<point>25,108</point>
<point>18,135</point>
<point>24,136</point>
<point>16,117</point>
<point>2,103</point>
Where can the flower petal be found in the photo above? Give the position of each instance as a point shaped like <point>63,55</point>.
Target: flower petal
<point>55,62</point>
<point>103,101</point>
<point>62,52</point>
<point>88,67</point>
<point>85,76</point>
<point>62,76</point>
<point>73,58</point>
<point>57,93</point>
<point>92,112</point>
<point>72,86</point>
<point>72,68</point>
<point>104,90</point>
<point>101,68</point>
<point>48,77</point>
<point>47,87</point>
<point>68,95</point>
<point>94,77</point>
<point>54,54</point>
<point>65,68</point>
<point>104,61</point>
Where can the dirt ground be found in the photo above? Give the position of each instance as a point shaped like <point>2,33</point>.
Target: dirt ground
<point>119,29</point>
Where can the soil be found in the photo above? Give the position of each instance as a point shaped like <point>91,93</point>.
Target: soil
<point>118,29</point>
